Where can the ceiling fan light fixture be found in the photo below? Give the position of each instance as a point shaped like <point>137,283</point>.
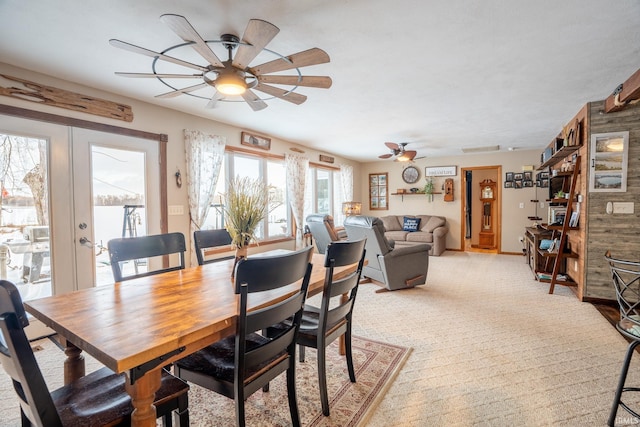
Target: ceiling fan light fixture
<point>230,82</point>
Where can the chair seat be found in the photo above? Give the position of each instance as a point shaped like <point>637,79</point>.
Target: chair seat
<point>310,325</point>
<point>218,360</point>
<point>101,398</point>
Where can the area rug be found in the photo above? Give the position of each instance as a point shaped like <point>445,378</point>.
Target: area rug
<point>376,365</point>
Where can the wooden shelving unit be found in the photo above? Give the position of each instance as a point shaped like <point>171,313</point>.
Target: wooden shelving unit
<point>559,233</point>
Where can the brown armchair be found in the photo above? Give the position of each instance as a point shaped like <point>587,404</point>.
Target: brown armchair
<point>397,267</point>
<point>323,231</point>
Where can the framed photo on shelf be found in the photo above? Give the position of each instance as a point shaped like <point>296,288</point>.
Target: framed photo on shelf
<point>255,141</point>
<point>575,217</point>
<point>609,155</point>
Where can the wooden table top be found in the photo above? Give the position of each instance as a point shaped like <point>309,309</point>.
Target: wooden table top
<point>129,323</point>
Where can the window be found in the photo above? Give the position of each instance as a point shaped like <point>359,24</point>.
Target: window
<point>277,223</point>
<point>323,193</point>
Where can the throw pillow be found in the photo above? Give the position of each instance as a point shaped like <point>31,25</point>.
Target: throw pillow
<point>411,224</point>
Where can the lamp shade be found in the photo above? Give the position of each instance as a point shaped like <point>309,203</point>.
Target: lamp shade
<point>351,208</point>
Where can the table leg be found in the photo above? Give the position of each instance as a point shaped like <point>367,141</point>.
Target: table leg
<point>74,364</point>
<point>142,396</point>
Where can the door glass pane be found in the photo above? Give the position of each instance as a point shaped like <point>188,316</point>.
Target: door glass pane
<point>249,167</point>
<point>276,179</point>
<point>118,188</point>
<point>24,215</point>
<point>215,217</point>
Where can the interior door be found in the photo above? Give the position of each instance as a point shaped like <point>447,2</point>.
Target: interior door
<point>116,194</point>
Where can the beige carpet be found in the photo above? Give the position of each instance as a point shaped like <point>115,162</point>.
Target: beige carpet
<point>376,365</point>
<point>490,347</point>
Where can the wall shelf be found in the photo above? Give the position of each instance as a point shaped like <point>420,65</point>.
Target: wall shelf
<point>421,193</point>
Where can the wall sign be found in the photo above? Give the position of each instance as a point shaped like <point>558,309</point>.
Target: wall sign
<point>441,171</point>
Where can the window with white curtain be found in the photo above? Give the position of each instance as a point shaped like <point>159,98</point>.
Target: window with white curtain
<point>272,171</point>
<point>322,195</point>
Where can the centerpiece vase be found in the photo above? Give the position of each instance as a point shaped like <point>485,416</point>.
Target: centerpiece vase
<point>241,253</point>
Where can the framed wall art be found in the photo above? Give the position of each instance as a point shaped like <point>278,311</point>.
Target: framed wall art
<point>441,171</point>
<point>378,194</point>
<point>609,156</point>
<point>255,141</point>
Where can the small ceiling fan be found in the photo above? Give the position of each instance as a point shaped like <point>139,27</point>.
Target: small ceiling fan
<point>234,76</point>
<point>399,151</point>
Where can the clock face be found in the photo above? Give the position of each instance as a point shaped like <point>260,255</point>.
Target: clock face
<point>410,175</point>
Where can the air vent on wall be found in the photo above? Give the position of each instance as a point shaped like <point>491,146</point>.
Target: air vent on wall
<point>481,149</point>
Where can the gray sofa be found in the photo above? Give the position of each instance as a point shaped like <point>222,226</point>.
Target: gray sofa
<point>432,230</point>
<point>396,267</point>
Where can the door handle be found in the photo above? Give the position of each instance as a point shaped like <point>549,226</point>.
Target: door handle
<point>86,242</point>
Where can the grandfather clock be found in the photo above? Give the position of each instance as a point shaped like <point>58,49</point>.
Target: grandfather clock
<point>487,197</point>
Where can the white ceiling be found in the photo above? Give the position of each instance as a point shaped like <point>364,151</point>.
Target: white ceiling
<point>440,74</point>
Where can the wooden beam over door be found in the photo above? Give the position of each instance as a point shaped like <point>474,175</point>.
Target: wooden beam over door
<point>625,94</point>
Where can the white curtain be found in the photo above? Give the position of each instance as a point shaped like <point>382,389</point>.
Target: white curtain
<point>296,168</point>
<point>342,191</point>
<point>204,154</point>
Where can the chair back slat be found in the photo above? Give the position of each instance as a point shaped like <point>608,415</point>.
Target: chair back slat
<point>340,254</point>
<point>205,239</point>
<point>136,248</point>
<point>18,361</point>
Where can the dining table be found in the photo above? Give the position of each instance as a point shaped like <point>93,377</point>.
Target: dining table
<point>139,326</point>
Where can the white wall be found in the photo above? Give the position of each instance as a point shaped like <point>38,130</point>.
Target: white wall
<point>514,219</point>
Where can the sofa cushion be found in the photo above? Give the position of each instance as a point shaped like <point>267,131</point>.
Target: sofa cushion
<point>391,223</point>
<point>420,237</point>
<point>432,223</point>
<point>398,236</point>
<point>410,224</point>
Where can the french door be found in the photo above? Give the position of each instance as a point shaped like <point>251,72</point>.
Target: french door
<point>65,192</point>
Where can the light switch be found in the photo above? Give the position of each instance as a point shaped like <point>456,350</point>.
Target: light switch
<point>521,205</point>
<point>623,207</point>
<point>176,210</point>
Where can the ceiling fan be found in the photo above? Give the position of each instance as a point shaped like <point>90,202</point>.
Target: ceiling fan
<point>234,76</point>
<point>399,151</point>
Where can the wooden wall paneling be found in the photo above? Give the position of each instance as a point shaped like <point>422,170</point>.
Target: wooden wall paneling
<point>616,232</point>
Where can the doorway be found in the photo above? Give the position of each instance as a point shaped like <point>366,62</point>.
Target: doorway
<point>474,212</point>
<point>63,195</point>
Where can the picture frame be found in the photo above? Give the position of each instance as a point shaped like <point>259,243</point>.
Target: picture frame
<point>527,183</point>
<point>508,184</point>
<point>527,176</point>
<point>508,176</point>
<point>575,217</point>
<point>544,183</point>
<point>255,141</point>
<point>517,183</point>
<point>440,171</point>
<point>518,176</point>
<point>609,158</point>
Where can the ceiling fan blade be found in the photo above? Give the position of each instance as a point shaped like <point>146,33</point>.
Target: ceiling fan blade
<point>254,100</point>
<point>392,146</point>
<point>307,81</point>
<point>177,92</point>
<point>385,156</point>
<point>186,32</point>
<point>301,59</point>
<point>293,97</point>
<point>258,34</point>
<point>162,76</point>
<point>213,101</point>
<point>137,49</point>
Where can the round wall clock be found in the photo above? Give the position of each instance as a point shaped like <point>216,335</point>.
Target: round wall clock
<point>410,174</point>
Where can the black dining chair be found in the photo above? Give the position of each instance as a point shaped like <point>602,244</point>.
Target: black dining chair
<point>239,365</point>
<point>626,281</point>
<point>322,325</point>
<point>205,239</point>
<point>135,249</point>
<point>97,399</point>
